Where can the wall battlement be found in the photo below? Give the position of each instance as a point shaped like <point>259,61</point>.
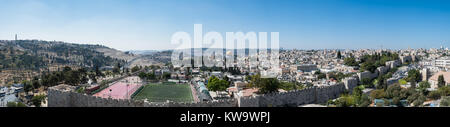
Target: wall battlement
<point>294,98</point>
<point>68,98</point>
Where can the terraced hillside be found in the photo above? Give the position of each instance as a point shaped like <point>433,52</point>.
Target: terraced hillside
<point>34,56</point>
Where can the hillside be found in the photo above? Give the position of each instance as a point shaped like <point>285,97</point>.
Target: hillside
<point>127,56</point>
<point>31,57</point>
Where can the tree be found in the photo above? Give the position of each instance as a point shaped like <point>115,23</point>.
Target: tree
<point>152,76</point>
<point>226,78</point>
<point>126,70</point>
<point>37,100</point>
<point>359,98</point>
<point>11,104</point>
<point>15,104</point>
<point>339,55</point>
<point>350,61</point>
<point>20,104</point>
<point>337,76</point>
<point>320,75</point>
<point>434,94</point>
<point>135,69</point>
<point>247,78</point>
<point>166,75</point>
<point>414,75</point>
<point>445,102</point>
<point>364,101</point>
<point>66,69</point>
<point>357,91</point>
<point>441,81</point>
<point>393,91</point>
<point>416,98</point>
<point>396,101</point>
<point>98,72</point>
<point>442,91</point>
<point>423,86</point>
<point>27,86</point>
<point>255,80</point>
<point>419,101</point>
<point>368,66</point>
<point>381,83</point>
<point>413,83</point>
<point>265,85</point>
<point>345,101</point>
<point>72,77</point>
<point>377,94</point>
<point>142,75</point>
<point>215,84</point>
<point>116,69</point>
<point>84,79</point>
<point>367,82</point>
<point>36,83</point>
<point>268,85</point>
<point>288,86</point>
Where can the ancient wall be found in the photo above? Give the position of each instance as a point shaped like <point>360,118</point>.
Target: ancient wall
<point>405,59</point>
<point>329,92</point>
<point>393,64</point>
<point>57,98</point>
<point>294,98</point>
<point>350,83</point>
<point>363,75</point>
<point>382,70</point>
<point>220,103</point>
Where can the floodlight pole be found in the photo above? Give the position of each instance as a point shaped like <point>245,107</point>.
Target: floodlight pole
<point>127,90</point>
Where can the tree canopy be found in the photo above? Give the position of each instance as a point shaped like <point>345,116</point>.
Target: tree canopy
<point>441,81</point>
<point>265,85</point>
<point>216,84</point>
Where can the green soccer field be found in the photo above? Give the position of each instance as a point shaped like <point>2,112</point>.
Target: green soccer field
<point>164,92</point>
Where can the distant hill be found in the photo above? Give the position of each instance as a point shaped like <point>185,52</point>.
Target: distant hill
<point>36,54</point>
<point>143,52</point>
<point>23,59</point>
<point>114,53</point>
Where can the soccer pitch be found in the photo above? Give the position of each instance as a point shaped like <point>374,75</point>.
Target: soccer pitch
<point>164,92</point>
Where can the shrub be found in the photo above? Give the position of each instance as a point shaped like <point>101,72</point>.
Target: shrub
<point>445,102</point>
<point>345,101</point>
<point>377,94</point>
<point>434,95</point>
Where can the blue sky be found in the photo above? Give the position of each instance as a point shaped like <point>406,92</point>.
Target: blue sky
<point>303,24</point>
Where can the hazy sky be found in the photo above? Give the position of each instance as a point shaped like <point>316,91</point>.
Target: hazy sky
<point>149,24</point>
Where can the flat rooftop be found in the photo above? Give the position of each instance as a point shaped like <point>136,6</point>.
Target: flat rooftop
<point>63,87</point>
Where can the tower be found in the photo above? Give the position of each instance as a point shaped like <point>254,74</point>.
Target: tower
<point>16,37</point>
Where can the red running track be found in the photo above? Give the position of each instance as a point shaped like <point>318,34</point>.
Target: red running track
<point>118,91</point>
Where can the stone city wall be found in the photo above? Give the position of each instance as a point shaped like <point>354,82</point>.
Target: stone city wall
<point>57,98</point>
<point>294,98</point>
<point>350,83</point>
